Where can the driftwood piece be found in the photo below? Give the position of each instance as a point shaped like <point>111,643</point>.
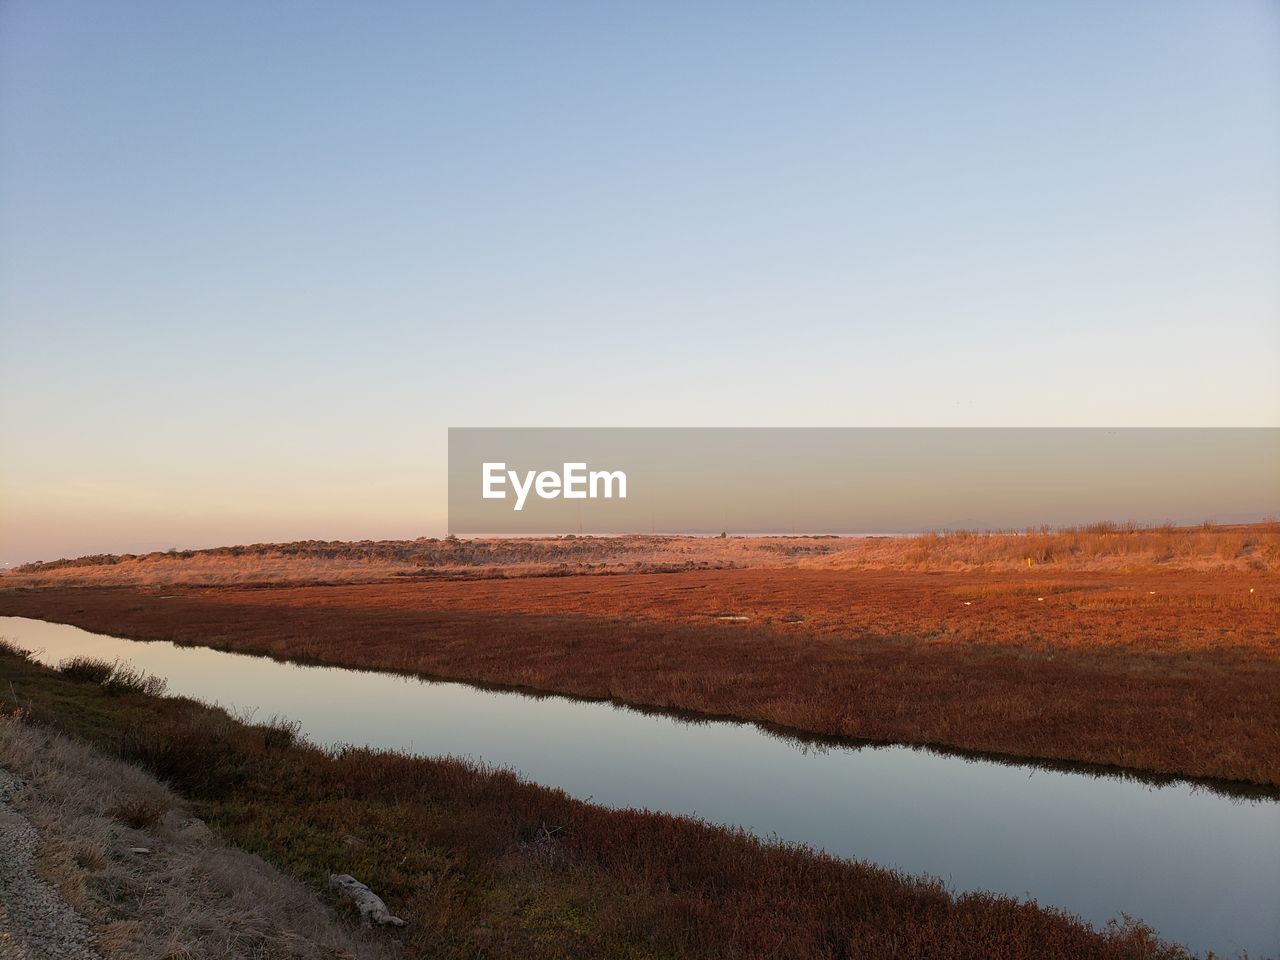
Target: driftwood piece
<point>367,902</point>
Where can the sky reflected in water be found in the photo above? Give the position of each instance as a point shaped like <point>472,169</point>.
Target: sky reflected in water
<point>1200,867</point>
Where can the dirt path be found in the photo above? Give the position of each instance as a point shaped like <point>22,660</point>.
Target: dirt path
<point>35,923</point>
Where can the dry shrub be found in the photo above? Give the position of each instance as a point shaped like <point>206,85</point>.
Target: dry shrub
<point>87,669</point>
<point>140,812</point>
<point>12,649</point>
<point>278,733</point>
<point>125,678</point>
<point>114,677</point>
<point>194,754</point>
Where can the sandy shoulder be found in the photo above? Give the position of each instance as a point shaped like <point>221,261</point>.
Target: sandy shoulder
<point>99,861</point>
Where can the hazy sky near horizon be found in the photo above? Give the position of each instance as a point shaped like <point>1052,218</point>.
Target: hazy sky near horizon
<point>256,258</point>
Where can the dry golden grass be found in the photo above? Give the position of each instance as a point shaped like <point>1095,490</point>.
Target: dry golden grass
<point>1242,548</point>
<point>191,897</point>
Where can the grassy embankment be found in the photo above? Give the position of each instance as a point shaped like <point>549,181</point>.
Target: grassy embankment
<point>486,865</point>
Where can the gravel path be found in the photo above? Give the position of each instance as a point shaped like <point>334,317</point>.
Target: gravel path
<point>35,924</point>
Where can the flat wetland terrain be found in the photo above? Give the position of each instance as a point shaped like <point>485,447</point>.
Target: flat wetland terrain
<point>1155,651</point>
<point>1152,650</point>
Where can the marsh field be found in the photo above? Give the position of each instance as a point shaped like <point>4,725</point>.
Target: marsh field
<point>1143,661</point>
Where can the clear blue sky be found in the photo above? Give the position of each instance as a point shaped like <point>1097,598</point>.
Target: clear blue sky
<point>256,257</point>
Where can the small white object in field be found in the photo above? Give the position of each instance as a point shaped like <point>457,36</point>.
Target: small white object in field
<point>367,902</point>
<point>1040,598</point>
<point>968,603</point>
<point>1152,592</point>
<point>139,850</point>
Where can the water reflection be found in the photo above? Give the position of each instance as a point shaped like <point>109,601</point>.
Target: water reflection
<point>1200,865</point>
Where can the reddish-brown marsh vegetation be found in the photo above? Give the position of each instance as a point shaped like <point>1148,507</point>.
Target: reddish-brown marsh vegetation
<point>1175,672</point>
